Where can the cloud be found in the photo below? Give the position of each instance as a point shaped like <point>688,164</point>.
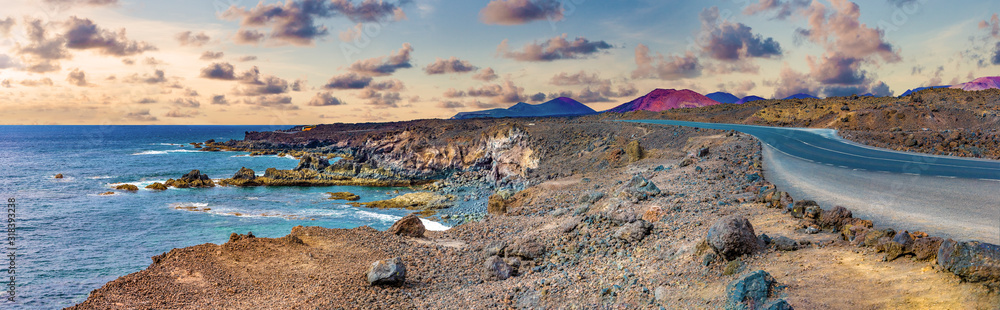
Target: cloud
<point>157,77</point>
<point>251,37</point>
<point>880,89</point>
<point>189,38</point>
<point>42,53</point>
<point>128,61</point>
<point>384,65</point>
<point>348,81</point>
<point>7,62</point>
<point>738,88</point>
<point>324,99</point>
<point>485,75</point>
<point>505,92</point>
<point>393,85</point>
<point>454,93</point>
<point>837,69</point>
<point>782,9</point>
<point>993,26</point>
<point>271,101</point>
<point>450,65</point>
<point>84,34</point>
<point>840,31</point>
<point>146,101</point>
<point>554,49</point>
<point>219,71</point>
<point>580,78</point>
<point>517,12</point>
<point>141,115</point>
<point>220,100</point>
<point>450,105</point>
<point>5,26</point>
<point>299,85</point>
<point>664,68</point>
<point>77,78</point>
<point>257,85</point>
<point>181,114</point>
<point>380,99</point>
<point>150,61</point>
<point>69,3</point>
<point>186,102</point>
<point>38,82</point>
<point>723,40</point>
<point>246,58</point>
<point>791,82</point>
<point>901,3</point>
<point>294,22</point>
<point>210,55</point>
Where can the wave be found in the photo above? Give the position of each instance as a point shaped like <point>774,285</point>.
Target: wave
<point>378,216</point>
<point>434,226</point>
<point>154,152</point>
<point>100,177</point>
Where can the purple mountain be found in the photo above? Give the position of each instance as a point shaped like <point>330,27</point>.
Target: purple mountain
<point>561,106</point>
<point>665,99</point>
<point>723,97</point>
<point>801,96</point>
<point>918,89</point>
<point>983,83</point>
<point>749,99</point>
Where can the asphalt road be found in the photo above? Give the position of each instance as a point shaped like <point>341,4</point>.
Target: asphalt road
<point>941,195</point>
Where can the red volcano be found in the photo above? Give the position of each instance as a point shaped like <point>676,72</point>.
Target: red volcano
<point>665,99</point>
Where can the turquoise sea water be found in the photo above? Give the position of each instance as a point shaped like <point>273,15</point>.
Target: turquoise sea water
<point>70,240</point>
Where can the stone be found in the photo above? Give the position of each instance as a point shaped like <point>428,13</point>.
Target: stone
<point>591,197</point>
<point>634,151</point>
<point>731,237</point>
<point>783,243</point>
<point>660,293</point>
<point>779,304</point>
<point>835,218</point>
<point>570,224</point>
<point>872,237</point>
<point>409,226</point>
<point>344,196</point>
<point>496,269</point>
<point>653,214</point>
<point>245,174</point>
<point>390,272</point>
<point>496,205</point>
<point>799,207</point>
<point>708,258</point>
<point>191,179</point>
<point>106,194</point>
<point>749,291</point>
<point>58,176</point>
<point>901,244</point>
<point>687,162</point>
<point>639,189</point>
<point>731,268</point>
<point>127,187</point>
<point>634,232</point>
<point>309,162</point>
<point>526,249</point>
<point>813,212</point>
<point>157,186</point>
<point>972,261</point>
<point>926,248</point>
<point>702,152</point>
<point>234,237</point>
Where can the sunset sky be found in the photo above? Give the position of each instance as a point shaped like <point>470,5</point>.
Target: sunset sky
<point>326,61</point>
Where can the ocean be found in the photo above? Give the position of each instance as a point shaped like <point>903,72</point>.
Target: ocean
<point>70,240</point>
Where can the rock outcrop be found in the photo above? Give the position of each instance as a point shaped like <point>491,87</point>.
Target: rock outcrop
<point>639,189</point>
<point>731,237</point>
<point>753,291</point>
<point>157,186</point>
<point>409,226</point>
<point>972,261</point>
<point>634,232</point>
<point>344,196</point>
<point>191,179</point>
<point>390,272</point>
<point>127,187</point>
<point>526,249</point>
<point>494,268</point>
<point>412,201</point>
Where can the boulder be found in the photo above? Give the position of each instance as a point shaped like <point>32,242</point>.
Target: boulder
<point>926,248</point>
<point>309,162</point>
<point>58,176</point>
<point>409,226</point>
<point>591,196</point>
<point>245,174</point>
<point>702,152</point>
<point>639,189</point>
<point>157,186</point>
<point>389,272</point>
<point>799,207</point>
<point>752,291</point>
<point>525,248</point>
<point>127,187</point>
<point>901,244</point>
<point>106,194</point>
<point>783,243</point>
<point>687,162</point>
<point>731,237</point>
<point>344,196</point>
<point>496,205</point>
<point>495,268</point>
<point>812,212</point>
<point>972,261</point>
<point>191,179</point>
<point>835,218</point>
<point>634,151</point>
<point>634,232</point>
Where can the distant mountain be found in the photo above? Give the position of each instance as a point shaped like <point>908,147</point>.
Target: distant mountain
<point>723,97</point>
<point>983,83</point>
<point>801,96</point>
<point>665,99</point>
<point>561,106</point>
<point>909,92</point>
<point>749,99</point>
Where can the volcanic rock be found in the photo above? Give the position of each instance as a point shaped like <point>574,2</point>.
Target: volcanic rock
<point>972,261</point>
<point>731,237</point>
<point>344,196</point>
<point>409,226</point>
<point>525,248</point>
<point>751,291</point>
<point>496,268</point>
<point>634,232</point>
<point>191,179</point>
<point>639,189</point>
<point>157,186</point>
<point>127,187</point>
<point>390,272</point>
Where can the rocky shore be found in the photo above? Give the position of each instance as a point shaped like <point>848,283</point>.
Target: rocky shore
<point>567,214</point>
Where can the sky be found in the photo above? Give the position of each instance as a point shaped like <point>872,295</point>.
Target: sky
<point>109,62</point>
